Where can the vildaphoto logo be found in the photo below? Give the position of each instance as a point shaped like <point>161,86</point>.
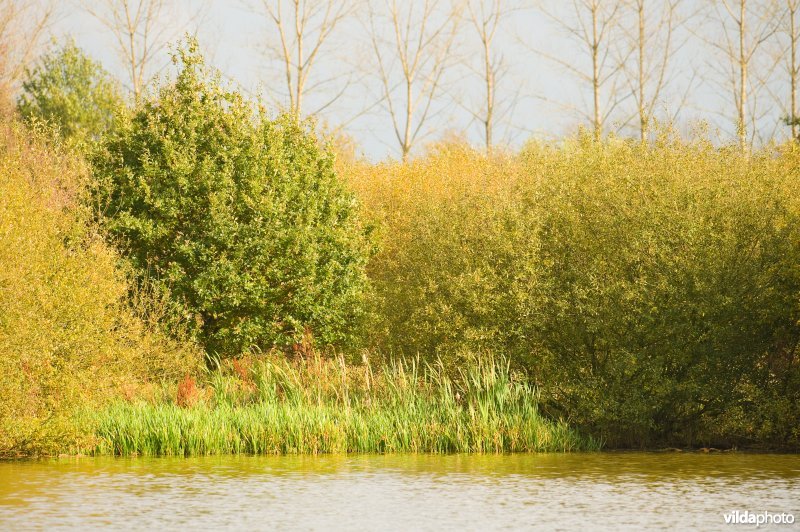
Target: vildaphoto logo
<point>758,518</point>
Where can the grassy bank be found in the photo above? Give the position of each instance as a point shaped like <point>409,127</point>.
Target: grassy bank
<point>325,406</point>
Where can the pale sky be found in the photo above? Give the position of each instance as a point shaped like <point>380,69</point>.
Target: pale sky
<point>537,97</point>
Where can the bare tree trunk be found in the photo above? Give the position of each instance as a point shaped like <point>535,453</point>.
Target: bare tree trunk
<point>743,64</point>
<point>136,80</point>
<point>597,123</point>
<point>793,6</point>
<point>298,28</point>
<point>415,57</point>
<point>488,122</point>
<point>651,41</point>
<point>793,82</point>
<point>486,17</point>
<point>596,27</point>
<point>753,23</point>
<point>406,149</point>
<point>304,28</point>
<point>643,118</point>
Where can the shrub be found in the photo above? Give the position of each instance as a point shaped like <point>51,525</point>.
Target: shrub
<point>72,92</point>
<point>67,336</point>
<point>651,291</point>
<point>455,250</point>
<point>241,219</point>
<point>666,283</point>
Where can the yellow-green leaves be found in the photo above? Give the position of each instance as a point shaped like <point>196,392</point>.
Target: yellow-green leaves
<point>650,290</point>
<point>68,337</point>
<point>240,217</point>
<point>72,93</point>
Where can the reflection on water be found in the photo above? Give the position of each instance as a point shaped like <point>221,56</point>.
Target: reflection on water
<point>548,491</point>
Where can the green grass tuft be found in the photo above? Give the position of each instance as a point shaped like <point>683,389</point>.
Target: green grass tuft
<point>322,406</point>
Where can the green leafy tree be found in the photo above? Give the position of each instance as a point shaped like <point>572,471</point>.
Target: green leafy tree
<point>240,217</point>
<point>71,91</point>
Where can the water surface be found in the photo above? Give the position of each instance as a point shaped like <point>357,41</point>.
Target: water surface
<point>593,491</point>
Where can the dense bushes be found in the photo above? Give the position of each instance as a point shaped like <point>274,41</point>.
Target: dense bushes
<point>650,291</point>
<point>241,219</point>
<point>455,252</point>
<point>68,338</point>
<point>71,92</point>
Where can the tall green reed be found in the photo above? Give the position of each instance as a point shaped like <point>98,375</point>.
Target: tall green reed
<point>271,406</point>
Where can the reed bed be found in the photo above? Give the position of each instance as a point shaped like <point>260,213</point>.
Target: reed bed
<point>326,406</point>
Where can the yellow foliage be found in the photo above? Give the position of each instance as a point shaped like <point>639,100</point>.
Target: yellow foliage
<point>68,338</point>
<point>645,286</point>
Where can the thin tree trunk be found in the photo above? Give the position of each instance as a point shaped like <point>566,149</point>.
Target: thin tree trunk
<point>598,121</point>
<point>132,53</point>
<point>742,126</point>
<point>489,94</point>
<point>409,117</point>
<point>298,99</point>
<point>643,118</point>
<point>793,71</point>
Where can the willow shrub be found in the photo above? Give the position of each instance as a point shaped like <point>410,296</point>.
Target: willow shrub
<point>68,338</point>
<point>454,240</point>
<point>242,219</point>
<point>650,291</point>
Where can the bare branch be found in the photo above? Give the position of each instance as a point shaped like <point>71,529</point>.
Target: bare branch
<point>485,17</point>
<point>652,43</point>
<point>22,26</point>
<point>746,26</point>
<point>141,29</point>
<point>595,26</point>
<point>304,29</point>
<point>412,63</point>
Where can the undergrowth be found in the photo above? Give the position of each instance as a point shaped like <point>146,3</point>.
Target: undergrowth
<point>273,406</point>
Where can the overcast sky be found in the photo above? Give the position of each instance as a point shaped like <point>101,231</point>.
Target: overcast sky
<point>537,96</point>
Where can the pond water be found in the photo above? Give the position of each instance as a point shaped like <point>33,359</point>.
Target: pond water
<point>592,491</point>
